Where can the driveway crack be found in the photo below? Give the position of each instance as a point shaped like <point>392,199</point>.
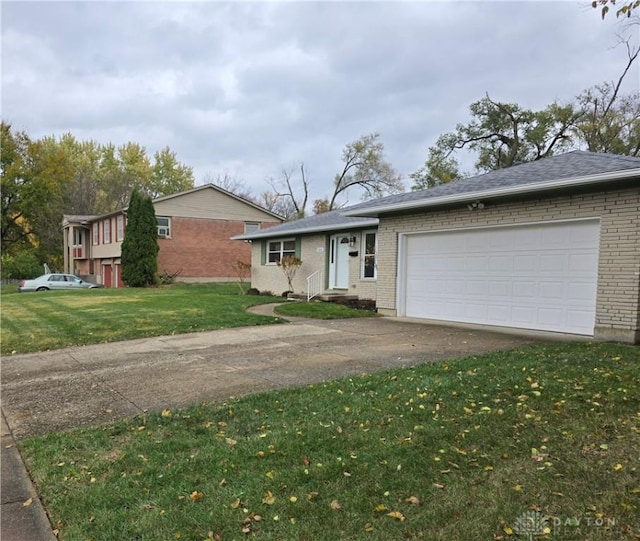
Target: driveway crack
<point>104,384</point>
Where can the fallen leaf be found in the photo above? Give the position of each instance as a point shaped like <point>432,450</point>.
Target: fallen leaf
<point>269,498</point>
<point>166,413</point>
<point>397,515</point>
<point>380,508</point>
<point>617,467</point>
<point>231,441</point>
<point>195,495</point>
<point>235,504</point>
<point>312,496</point>
<point>335,504</point>
<point>413,500</point>
<point>28,502</point>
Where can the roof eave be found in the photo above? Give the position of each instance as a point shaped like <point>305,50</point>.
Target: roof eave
<point>268,233</point>
<point>573,182</point>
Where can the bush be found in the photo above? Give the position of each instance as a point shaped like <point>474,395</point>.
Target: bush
<point>24,265</point>
<point>253,291</point>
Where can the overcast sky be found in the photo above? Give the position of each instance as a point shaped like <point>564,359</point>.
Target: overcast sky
<point>250,87</point>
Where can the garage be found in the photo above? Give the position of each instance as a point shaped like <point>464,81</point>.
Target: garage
<point>540,276</point>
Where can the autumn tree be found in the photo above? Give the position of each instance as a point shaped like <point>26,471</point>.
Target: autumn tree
<point>15,183</point>
<point>624,8</point>
<point>439,168</point>
<point>168,175</point>
<point>32,194</point>
<point>500,134</point>
<point>139,253</point>
<point>289,266</point>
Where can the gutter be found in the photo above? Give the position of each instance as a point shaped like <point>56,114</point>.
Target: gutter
<point>495,192</point>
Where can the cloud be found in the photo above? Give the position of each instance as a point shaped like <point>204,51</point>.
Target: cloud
<point>251,87</point>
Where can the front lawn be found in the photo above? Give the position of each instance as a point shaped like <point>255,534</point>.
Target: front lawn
<point>56,319</point>
<point>537,443</point>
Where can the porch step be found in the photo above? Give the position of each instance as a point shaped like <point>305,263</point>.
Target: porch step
<point>337,297</point>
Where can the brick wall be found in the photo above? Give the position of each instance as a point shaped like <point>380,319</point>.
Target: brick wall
<point>202,249</point>
<point>618,296</point>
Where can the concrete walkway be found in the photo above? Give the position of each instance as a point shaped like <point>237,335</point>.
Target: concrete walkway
<point>83,386</point>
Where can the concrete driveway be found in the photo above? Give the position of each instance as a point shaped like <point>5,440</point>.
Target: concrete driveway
<point>52,391</point>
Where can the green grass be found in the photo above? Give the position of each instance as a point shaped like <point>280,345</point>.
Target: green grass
<point>321,310</point>
<point>56,319</point>
<point>453,451</point>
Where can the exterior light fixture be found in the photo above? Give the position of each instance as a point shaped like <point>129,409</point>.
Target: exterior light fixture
<point>476,205</point>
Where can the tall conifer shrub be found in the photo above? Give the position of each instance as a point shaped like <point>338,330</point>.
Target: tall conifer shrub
<point>139,253</point>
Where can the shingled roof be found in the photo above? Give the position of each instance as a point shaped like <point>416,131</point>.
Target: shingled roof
<point>562,171</point>
<point>334,220</point>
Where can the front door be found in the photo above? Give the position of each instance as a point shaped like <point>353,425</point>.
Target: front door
<point>339,262</point>
<point>106,275</point>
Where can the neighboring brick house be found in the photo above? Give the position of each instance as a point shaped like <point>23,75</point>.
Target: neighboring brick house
<point>548,245</point>
<point>194,234</point>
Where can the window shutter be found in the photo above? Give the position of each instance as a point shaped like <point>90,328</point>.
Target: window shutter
<point>263,252</point>
<point>298,247</point>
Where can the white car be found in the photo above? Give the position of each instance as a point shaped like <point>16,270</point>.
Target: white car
<point>55,281</point>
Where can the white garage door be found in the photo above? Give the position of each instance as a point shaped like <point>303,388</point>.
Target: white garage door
<point>541,276</point>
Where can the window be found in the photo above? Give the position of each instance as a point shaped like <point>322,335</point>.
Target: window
<point>277,249</point>
<point>369,248</point>
<point>119,228</point>
<point>78,243</point>
<point>106,231</point>
<point>95,234</point>
<point>251,227</point>
<point>164,226</point>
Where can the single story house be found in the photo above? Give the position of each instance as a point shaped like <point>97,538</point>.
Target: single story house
<point>194,235</point>
<point>547,245</point>
<point>338,255</point>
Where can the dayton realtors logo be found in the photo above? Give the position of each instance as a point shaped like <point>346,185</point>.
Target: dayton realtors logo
<point>531,524</point>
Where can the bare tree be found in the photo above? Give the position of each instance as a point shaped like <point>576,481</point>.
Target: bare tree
<point>611,121</point>
<point>366,168</point>
<point>230,183</point>
<point>289,195</point>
